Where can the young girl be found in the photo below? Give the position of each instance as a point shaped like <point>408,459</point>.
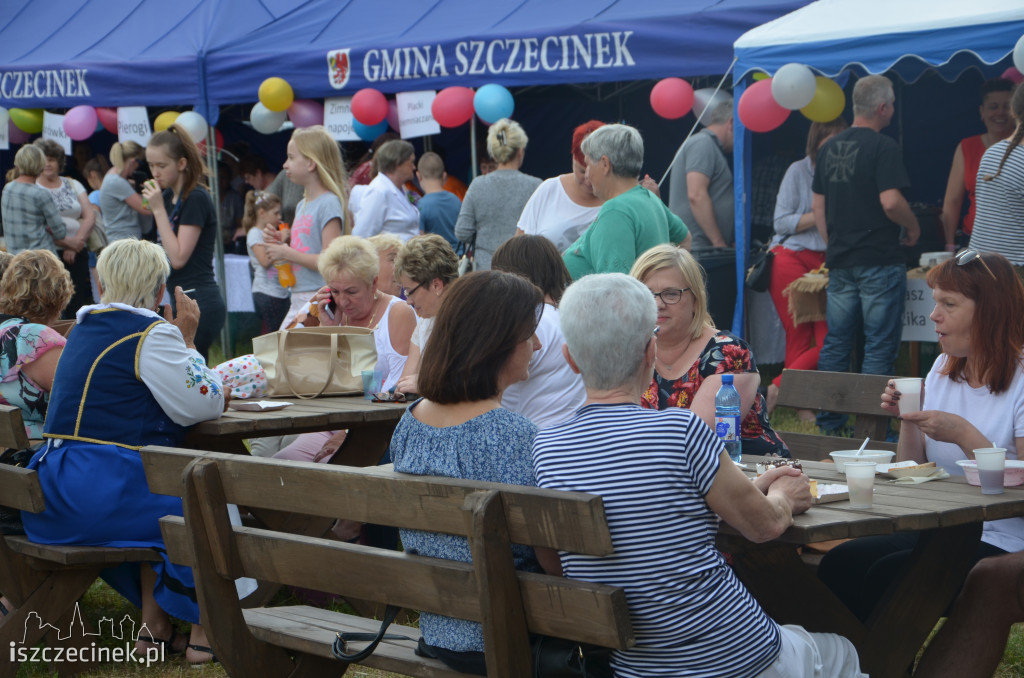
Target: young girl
<point>270,298</point>
<point>120,204</point>
<point>314,162</point>
<point>186,220</point>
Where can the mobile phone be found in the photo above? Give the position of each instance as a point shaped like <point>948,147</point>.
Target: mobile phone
<point>331,309</point>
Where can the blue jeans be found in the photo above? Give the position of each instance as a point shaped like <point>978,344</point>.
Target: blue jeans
<point>871,297</point>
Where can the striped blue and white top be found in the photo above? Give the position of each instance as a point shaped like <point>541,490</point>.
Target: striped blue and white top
<point>999,216</point>
<point>690,614</point>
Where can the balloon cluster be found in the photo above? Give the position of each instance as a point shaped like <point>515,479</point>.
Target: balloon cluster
<point>767,103</point>
<point>277,103</point>
<point>454,106</point>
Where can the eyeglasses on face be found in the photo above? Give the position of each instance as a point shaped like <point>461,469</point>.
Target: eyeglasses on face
<point>671,295</point>
<point>966,256</point>
<point>408,293</point>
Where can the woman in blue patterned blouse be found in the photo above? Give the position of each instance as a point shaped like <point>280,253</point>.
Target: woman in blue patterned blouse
<point>482,342</point>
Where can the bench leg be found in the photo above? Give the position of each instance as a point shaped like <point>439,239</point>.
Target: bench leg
<point>50,603</point>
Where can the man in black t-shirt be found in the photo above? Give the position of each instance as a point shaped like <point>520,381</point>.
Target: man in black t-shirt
<point>860,210</point>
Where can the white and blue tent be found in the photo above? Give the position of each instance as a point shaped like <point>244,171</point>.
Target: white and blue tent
<point>904,38</point>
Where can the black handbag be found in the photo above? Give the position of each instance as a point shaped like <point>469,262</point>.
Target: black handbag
<point>759,274</point>
<point>10,518</point>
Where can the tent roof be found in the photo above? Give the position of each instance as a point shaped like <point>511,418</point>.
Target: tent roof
<point>410,44</point>
<point>909,36</point>
<point>134,52</point>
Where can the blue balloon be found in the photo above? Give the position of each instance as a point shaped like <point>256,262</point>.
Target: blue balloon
<point>369,132</point>
<point>492,103</point>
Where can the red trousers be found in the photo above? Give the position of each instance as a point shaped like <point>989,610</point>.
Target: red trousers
<point>803,341</point>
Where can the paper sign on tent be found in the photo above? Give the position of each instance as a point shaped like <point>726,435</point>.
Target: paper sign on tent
<point>338,118</point>
<point>53,128</point>
<point>414,116</point>
<point>133,125</point>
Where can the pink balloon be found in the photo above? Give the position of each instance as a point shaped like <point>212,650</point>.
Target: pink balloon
<point>15,135</point>
<point>108,118</point>
<point>672,98</point>
<point>1012,73</point>
<point>306,113</point>
<point>80,122</point>
<point>758,110</point>
<point>369,106</point>
<point>393,114</point>
<point>453,106</point>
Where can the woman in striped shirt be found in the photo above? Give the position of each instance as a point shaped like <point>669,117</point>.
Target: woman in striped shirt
<point>664,476</point>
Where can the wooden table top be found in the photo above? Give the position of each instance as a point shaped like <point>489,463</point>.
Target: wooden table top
<point>315,414</point>
<point>896,507</point>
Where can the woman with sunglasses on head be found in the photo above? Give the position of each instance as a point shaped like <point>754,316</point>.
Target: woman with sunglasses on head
<point>973,398</point>
<point>693,354</point>
<point>999,193</point>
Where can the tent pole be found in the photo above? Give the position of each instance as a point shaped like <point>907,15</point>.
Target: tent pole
<point>742,158</point>
<point>473,165</point>
<point>218,242</point>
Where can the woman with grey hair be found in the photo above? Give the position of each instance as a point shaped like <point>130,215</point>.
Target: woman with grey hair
<point>666,479</point>
<point>31,220</point>
<point>632,219</point>
<point>129,378</point>
<point>385,205</point>
<point>495,201</point>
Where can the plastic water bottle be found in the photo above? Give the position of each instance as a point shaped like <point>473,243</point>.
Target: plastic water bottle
<point>727,418</point>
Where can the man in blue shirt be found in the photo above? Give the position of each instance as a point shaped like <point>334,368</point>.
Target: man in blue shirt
<point>438,208</point>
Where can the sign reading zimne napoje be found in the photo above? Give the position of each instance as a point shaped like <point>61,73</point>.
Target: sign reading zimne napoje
<point>499,56</point>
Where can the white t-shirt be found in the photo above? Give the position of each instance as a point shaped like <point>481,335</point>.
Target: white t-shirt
<point>553,392</point>
<point>422,332</point>
<point>384,208</point>
<point>999,417</point>
<point>264,280</point>
<point>550,212</point>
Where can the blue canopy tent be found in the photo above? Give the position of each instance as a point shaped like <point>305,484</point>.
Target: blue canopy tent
<point>906,38</point>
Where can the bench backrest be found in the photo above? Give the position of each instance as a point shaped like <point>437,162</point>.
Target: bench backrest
<point>19,487</point>
<point>844,392</point>
<point>12,429</point>
<point>509,604</point>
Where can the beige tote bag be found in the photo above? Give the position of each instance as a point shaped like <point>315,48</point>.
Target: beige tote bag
<point>307,362</point>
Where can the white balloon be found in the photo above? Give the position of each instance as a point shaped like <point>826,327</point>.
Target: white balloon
<point>1018,55</point>
<point>793,86</point>
<point>194,124</point>
<point>266,121</point>
<point>706,97</point>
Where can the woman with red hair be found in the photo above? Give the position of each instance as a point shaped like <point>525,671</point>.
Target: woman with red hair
<point>563,207</point>
<point>973,398</point>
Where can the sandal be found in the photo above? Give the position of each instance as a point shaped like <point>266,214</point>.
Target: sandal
<point>203,648</point>
<point>167,645</point>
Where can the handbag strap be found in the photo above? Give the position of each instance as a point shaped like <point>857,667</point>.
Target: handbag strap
<point>282,342</point>
<point>338,648</point>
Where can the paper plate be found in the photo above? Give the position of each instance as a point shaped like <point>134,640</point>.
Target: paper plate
<point>258,405</point>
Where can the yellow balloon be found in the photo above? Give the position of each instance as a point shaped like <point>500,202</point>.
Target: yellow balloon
<point>165,120</point>
<point>828,102</point>
<point>276,94</point>
<point>28,120</point>
<point>760,76</point>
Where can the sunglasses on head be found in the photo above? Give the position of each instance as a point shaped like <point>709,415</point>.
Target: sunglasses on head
<point>964,257</point>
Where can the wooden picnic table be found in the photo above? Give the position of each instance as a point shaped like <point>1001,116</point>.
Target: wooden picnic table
<point>370,426</point>
<point>949,513</point>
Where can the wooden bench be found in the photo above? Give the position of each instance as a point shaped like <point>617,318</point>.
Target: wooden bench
<point>844,392</point>
<point>41,580</point>
<point>296,640</point>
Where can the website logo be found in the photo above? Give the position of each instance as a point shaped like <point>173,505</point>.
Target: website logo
<point>88,652</point>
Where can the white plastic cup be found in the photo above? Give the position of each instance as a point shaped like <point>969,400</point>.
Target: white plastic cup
<point>991,464</point>
<point>910,394</point>
<point>860,480</point>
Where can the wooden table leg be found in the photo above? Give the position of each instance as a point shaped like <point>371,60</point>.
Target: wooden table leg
<point>791,593</point>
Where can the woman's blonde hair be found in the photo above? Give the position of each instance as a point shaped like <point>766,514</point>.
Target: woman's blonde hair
<point>316,144</point>
<point>122,151</point>
<point>383,242</point>
<point>505,138</point>
<point>132,272</point>
<point>670,256</point>
<point>35,286</point>
<point>257,200</point>
<point>29,160</point>
<point>349,253</point>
